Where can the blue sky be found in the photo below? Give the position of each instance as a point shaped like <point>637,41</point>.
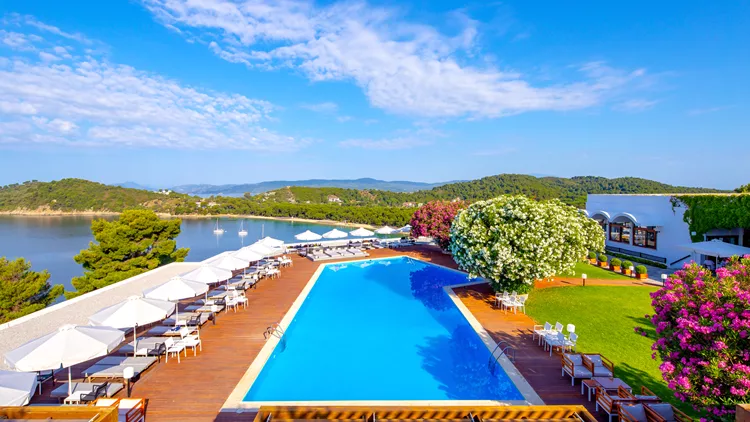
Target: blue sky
<point>166,92</point>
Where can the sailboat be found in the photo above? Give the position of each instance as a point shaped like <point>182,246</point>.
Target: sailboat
<point>218,230</point>
<point>242,231</point>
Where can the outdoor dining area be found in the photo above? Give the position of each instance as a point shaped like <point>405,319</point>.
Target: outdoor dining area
<point>612,395</point>
<point>123,341</point>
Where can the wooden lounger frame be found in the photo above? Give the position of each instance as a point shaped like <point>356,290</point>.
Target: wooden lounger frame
<point>445,413</point>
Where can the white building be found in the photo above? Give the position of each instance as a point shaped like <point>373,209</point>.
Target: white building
<point>651,227</point>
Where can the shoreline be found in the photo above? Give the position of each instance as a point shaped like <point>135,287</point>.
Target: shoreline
<point>51,213</point>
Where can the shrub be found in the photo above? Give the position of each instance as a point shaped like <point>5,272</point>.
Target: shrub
<point>627,264</point>
<point>511,241</point>
<point>616,262</point>
<point>702,327</point>
<point>434,219</point>
<point>603,258</point>
<point>640,260</point>
<point>592,255</point>
<point>641,269</point>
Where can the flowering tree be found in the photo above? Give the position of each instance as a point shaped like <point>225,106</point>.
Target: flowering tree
<point>434,219</point>
<point>513,240</point>
<point>702,325</point>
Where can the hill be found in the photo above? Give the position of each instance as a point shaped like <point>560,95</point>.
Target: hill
<point>72,195</point>
<point>257,188</point>
<point>133,185</point>
<point>572,191</point>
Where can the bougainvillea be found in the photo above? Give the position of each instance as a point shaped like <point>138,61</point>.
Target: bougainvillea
<point>512,241</point>
<point>702,324</point>
<point>434,220</point>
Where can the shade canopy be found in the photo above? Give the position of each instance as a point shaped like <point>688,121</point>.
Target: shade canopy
<point>69,345</point>
<point>177,288</point>
<point>262,249</point>
<point>405,229</point>
<point>271,242</point>
<point>335,234</point>
<point>133,311</point>
<point>229,262</point>
<point>208,274</point>
<point>385,230</point>
<point>717,248</point>
<point>361,232</point>
<point>307,235</point>
<point>16,388</point>
<point>249,254</point>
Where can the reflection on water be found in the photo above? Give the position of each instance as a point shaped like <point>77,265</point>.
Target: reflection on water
<point>51,242</point>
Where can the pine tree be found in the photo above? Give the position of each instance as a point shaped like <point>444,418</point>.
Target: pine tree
<point>137,242</point>
<point>23,291</point>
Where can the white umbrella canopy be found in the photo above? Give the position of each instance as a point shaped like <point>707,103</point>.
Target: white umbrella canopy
<point>405,229</point>
<point>271,242</point>
<point>307,235</point>
<point>177,288</point>
<point>248,254</point>
<point>208,274</point>
<point>229,262</point>
<point>335,234</point>
<point>385,230</point>
<point>67,346</point>
<point>261,249</point>
<point>361,232</point>
<point>134,311</point>
<point>16,388</point>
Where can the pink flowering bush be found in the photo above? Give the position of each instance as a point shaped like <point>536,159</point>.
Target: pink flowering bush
<point>434,219</point>
<point>702,324</point>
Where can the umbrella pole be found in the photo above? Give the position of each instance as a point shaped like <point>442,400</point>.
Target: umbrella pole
<point>135,340</point>
<point>70,382</point>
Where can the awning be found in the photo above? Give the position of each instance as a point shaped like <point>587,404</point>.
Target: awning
<point>717,248</point>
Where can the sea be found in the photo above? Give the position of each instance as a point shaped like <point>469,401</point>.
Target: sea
<point>51,242</point>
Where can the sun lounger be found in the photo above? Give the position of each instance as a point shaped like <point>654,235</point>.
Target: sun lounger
<point>185,317</point>
<point>599,365</point>
<point>144,345</point>
<point>113,366</point>
<point>128,410</point>
<point>664,412</point>
<point>610,403</point>
<point>61,391</point>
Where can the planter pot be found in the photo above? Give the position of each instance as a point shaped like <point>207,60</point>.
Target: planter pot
<point>593,261</point>
<point>604,264</point>
<point>615,269</point>
<point>641,276</point>
<point>626,271</point>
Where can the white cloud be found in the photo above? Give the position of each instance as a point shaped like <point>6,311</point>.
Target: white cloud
<point>325,107</point>
<point>385,144</point>
<point>62,99</point>
<point>18,20</point>
<point>701,111</point>
<point>635,105</point>
<point>342,119</point>
<point>401,66</point>
<point>17,41</point>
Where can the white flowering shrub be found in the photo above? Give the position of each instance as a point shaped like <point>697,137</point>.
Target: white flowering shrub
<point>511,241</point>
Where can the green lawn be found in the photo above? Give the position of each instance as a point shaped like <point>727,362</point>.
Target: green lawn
<point>605,317</point>
<point>596,273</point>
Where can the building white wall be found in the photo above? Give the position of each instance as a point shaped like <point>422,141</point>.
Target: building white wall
<point>648,210</point>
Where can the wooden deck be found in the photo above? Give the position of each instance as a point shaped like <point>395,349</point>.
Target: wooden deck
<point>195,389</point>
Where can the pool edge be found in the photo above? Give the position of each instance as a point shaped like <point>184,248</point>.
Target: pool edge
<point>236,404</point>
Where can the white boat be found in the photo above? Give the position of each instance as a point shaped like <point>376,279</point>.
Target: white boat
<point>218,230</point>
<point>242,231</point>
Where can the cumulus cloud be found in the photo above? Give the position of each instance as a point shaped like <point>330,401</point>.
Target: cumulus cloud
<point>401,66</point>
<point>89,101</point>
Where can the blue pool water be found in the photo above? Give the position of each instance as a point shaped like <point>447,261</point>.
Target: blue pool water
<point>381,330</point>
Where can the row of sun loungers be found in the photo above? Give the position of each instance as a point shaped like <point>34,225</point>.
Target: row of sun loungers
<point>336,253</point>
<point>114,366</point>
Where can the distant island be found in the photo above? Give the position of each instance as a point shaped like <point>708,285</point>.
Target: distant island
<point>262,187</point>
<point>366,206</point>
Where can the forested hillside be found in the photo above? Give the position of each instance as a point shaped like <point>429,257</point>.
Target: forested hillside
<point>571,191</point>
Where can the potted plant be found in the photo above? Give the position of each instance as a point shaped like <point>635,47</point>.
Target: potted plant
<point>603,261</point>
<point>626,267</point>
<point>641,272</point>
<point>592,258</point>
<point>615,265</point>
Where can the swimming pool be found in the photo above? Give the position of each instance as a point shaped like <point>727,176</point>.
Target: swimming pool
<point>381,330</point>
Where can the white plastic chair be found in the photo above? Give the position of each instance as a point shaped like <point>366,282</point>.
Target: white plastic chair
<point>174,348</point>
<point>541,331</point>
<point>552,335</point>
<point>190,340</point>
<point>231,302</point>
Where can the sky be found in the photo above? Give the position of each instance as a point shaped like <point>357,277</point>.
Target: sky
<point>169,92</point>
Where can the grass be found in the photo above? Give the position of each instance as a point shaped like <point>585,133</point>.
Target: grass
<point>605,317</point>
<point>596,273</point>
